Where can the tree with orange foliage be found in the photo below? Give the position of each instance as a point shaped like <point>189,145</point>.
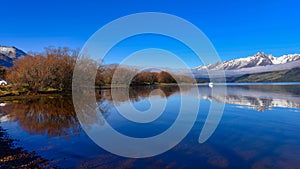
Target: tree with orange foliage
<point>51,69</point>
<point>145,78</point>
<point>165,77</point>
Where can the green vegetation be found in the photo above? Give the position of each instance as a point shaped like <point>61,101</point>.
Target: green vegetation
<point>292,75</point>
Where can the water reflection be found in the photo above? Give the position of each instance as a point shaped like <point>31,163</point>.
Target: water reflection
<point>244,138</point>
<point>258,97</point>
<point>137,93</point>
<point>54,116</point>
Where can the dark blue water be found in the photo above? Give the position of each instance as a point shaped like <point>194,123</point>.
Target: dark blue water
<point>259,129</point>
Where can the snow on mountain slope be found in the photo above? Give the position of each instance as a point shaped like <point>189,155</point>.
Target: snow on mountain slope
<point>8,54</point>
<point>259,59</point>
<point>287,58</point>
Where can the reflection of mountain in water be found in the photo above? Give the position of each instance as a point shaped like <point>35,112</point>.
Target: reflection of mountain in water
<point>259,97</point>
<point>56,116</point>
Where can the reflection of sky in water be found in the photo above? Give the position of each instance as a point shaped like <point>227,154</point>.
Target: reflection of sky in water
<point>245,138</point>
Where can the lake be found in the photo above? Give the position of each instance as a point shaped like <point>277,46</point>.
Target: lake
<point>259,128</point>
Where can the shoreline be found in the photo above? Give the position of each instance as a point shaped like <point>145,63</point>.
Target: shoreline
<point>21,95</point>
<point>35,96</point>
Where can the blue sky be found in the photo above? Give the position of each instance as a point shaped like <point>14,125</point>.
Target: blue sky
<point>237,28</point>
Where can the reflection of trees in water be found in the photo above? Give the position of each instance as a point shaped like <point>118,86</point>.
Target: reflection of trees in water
<point>51,116</point>
<point>56,116</point>
<point>136,93</point>
<point>91,114</point>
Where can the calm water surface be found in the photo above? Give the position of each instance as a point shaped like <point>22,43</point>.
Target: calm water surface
<point>259,128</point>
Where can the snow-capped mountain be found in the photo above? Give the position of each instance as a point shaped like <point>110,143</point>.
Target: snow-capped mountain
<point>259,59</point>
<point>9,54</point>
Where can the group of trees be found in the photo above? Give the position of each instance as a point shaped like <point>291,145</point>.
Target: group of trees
<point>159,78</point>
<point>116,74</point>
<point>123,75</point>
<point>152,78</point>
<point>53,69</point>
<point>50,69</point>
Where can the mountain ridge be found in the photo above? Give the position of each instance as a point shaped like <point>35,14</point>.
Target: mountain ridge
<point>292,75</point>
<point>259,59</point>
<point>8,54</point>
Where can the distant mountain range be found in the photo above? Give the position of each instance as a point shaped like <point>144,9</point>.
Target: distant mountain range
<point>259,59</point>
<point>257,68</point>
<point>253,68</point>
<point>8,54</point>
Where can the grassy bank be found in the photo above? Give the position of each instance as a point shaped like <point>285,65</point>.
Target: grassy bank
<point>11,92</point>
